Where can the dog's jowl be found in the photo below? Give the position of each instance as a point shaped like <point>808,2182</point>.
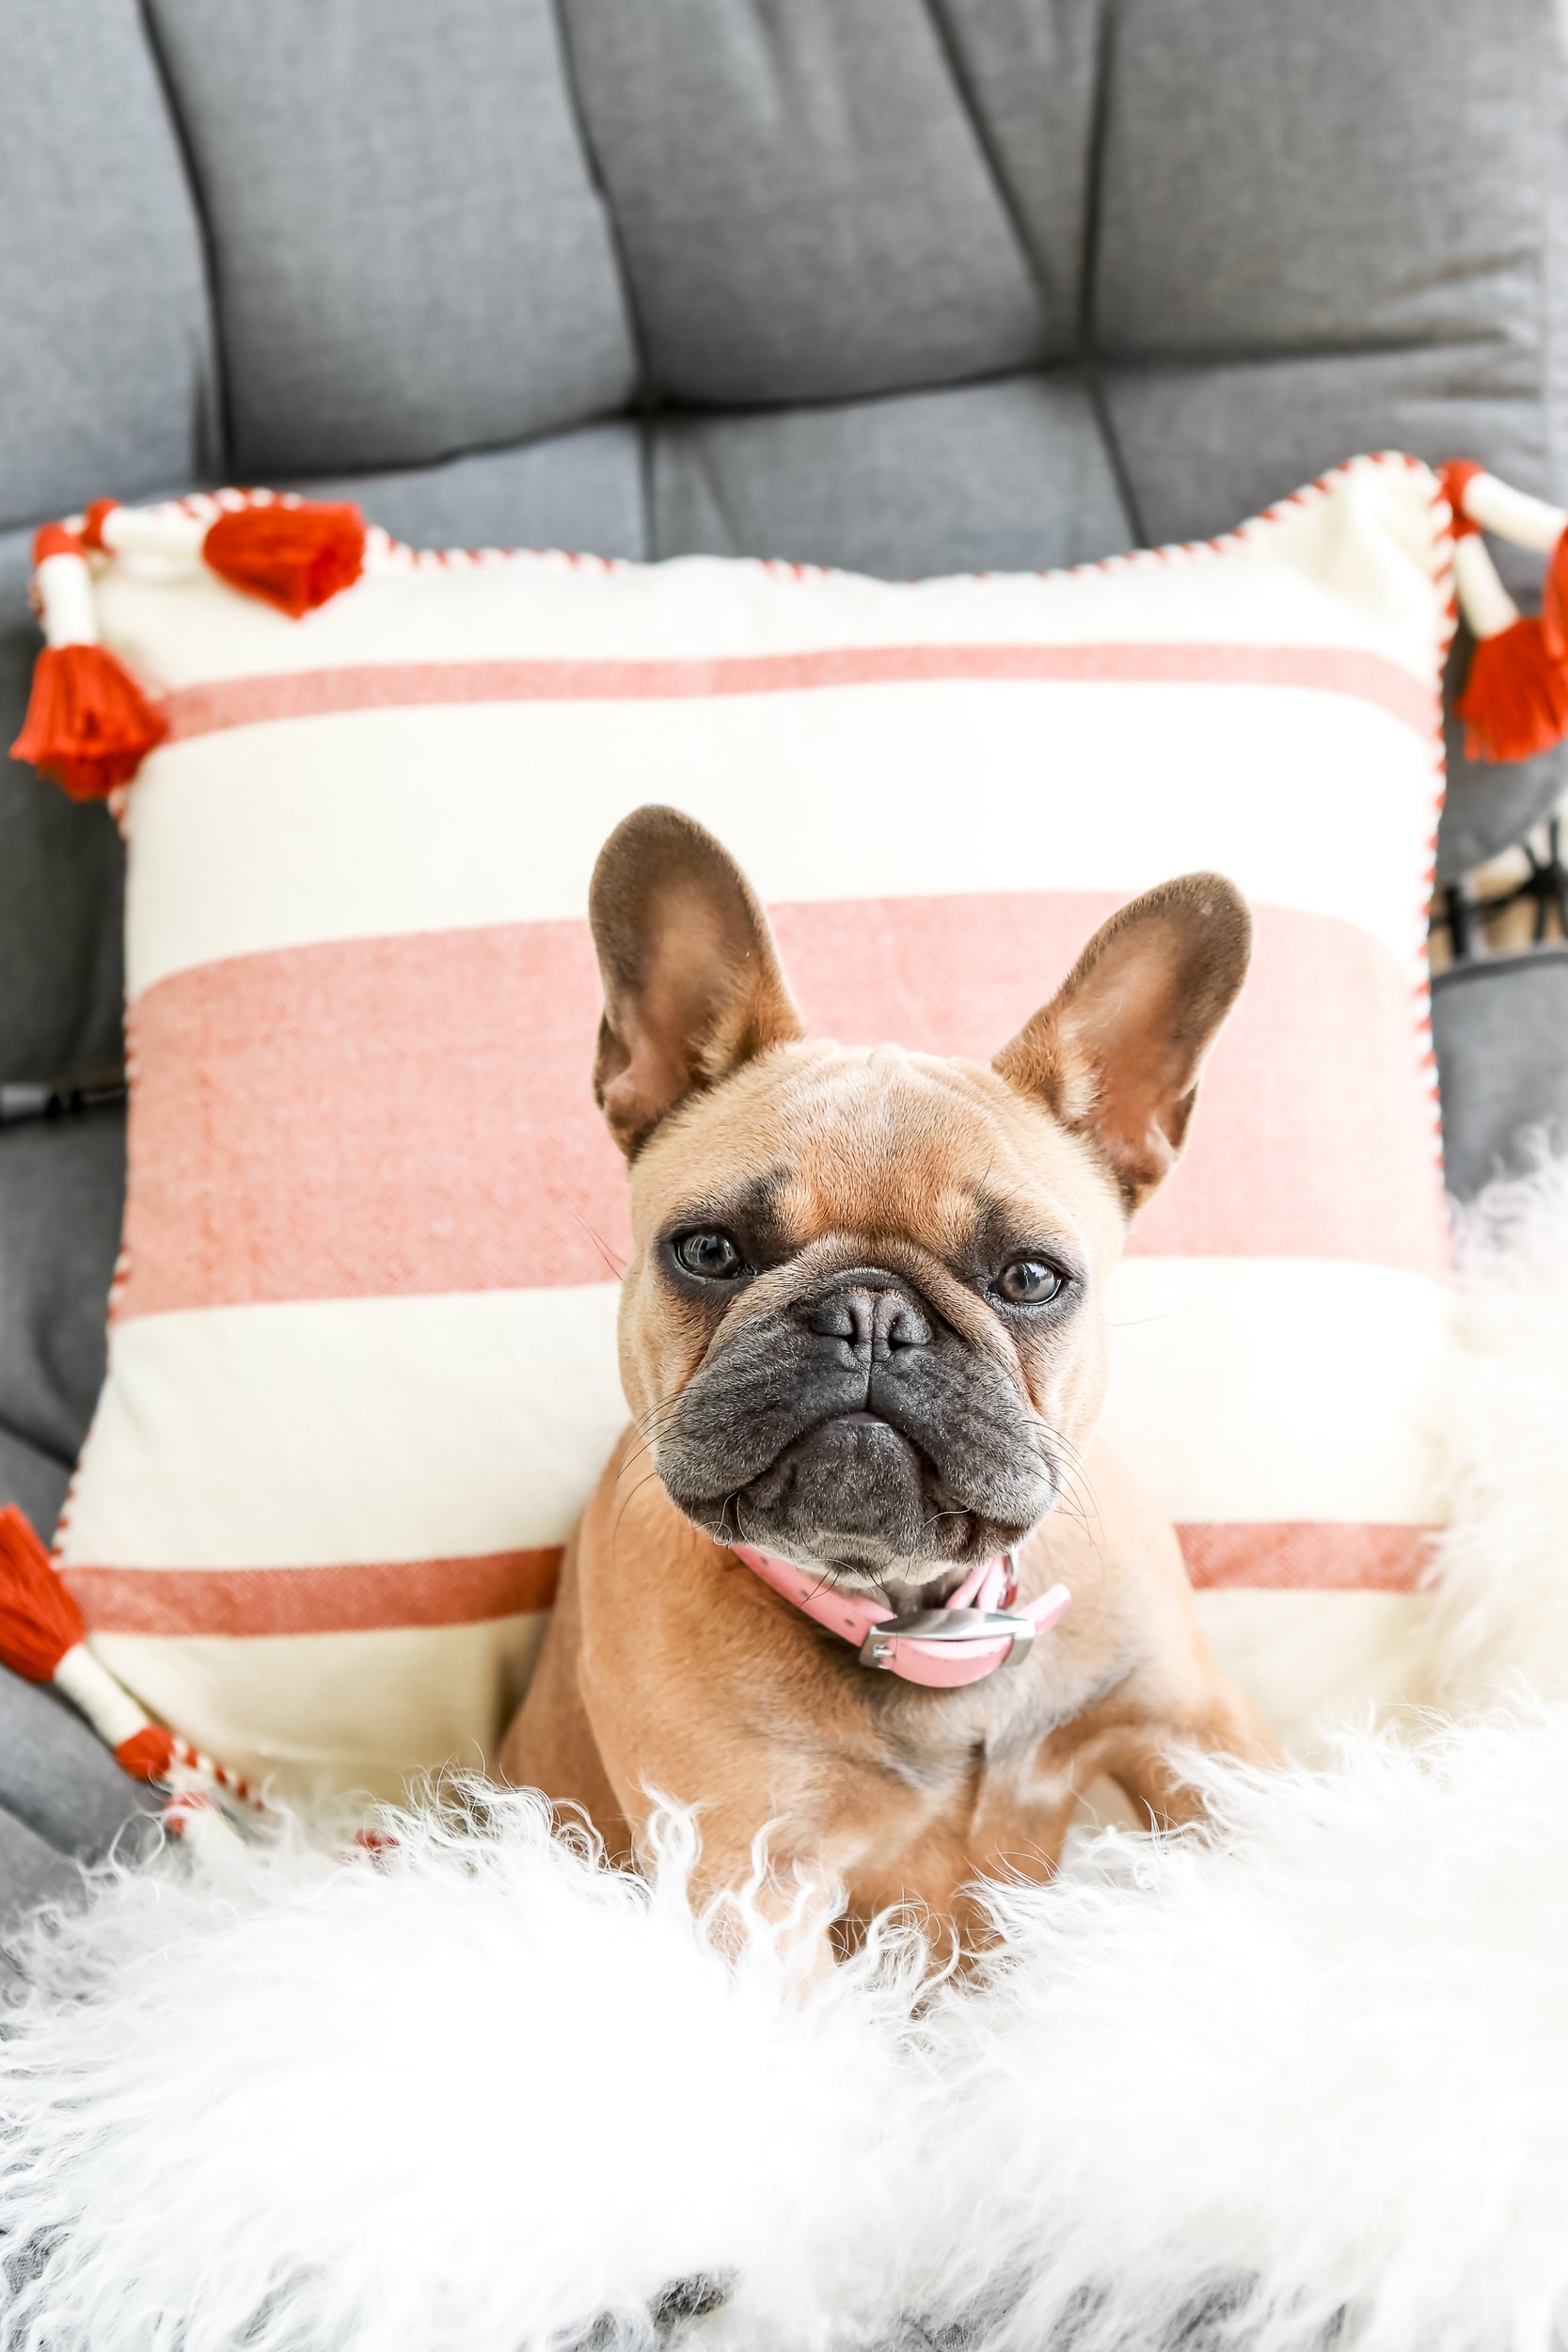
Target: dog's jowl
<point>859,1573</point>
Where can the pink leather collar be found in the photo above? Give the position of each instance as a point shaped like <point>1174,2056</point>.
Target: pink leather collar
<point>968,1638</point>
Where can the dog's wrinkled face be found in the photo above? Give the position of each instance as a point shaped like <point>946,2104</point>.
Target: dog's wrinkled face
<point>865,1317</point>
<point>864,1325</point>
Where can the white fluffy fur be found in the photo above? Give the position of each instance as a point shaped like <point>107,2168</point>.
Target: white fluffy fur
<point>1319,2064</point>
<point>1302,2080</point>
<point>453,2099</point>
<point>1504,1564</point>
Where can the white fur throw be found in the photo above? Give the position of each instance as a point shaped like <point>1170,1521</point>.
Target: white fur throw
<point>1300,2083</point>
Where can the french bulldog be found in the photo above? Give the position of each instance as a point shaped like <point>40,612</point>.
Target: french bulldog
<point>821,1592</point>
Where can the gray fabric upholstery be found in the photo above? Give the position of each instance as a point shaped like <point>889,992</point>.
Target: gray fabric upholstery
<point>61,1793</point>
<point>34,1479</point>
<point>1500,1026</point>
<point>585,491</point>
<point>1278,180</point>
<point>58,1779</point>
<point>1246,427</point>
<point>864,484</point>
<point>108,368</point>
<point>1487,806</point>
<point>61,1191</point>
<point>409,255</point>
<point>970,284</point>
<point>32,1873</point>
<point>63,1801</point>
<point>60,879</point>
<point>805,206</point>
<point>978,283</point>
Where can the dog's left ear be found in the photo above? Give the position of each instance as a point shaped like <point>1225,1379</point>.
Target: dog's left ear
<point>1117,1053</point>
<point>693,983</point>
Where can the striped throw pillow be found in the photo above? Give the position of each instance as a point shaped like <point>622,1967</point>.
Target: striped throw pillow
<point>362,1360</point>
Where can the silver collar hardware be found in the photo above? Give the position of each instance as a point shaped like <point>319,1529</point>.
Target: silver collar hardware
<point>963,1626</point>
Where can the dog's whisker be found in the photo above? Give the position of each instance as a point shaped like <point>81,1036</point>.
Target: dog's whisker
<point>1074,1488</point>
<point>627,1503</point>
<point>616,1265</point>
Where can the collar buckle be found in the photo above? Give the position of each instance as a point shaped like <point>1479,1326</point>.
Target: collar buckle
<point>962,1627</point>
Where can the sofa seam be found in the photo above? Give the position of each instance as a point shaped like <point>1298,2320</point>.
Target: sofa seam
<point>645,401</point>
<point>1089,270</point>
<point>1085,359</point>
<point>222,459</point>
<point>979,130</point>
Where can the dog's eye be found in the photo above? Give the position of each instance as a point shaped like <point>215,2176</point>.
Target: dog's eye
<point>712,1256</point>
<point>1028,1282</point>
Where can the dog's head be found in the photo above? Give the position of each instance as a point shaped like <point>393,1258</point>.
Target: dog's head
<point>864,1325</point>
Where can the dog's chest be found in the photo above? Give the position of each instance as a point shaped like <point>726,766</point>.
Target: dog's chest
<point>934,1819</point>
<point>956,1765</point>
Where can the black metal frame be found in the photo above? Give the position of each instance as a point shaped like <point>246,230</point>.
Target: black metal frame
<point>1463,910</point>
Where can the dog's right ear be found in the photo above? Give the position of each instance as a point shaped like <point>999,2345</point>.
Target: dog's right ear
<point>693,983</point>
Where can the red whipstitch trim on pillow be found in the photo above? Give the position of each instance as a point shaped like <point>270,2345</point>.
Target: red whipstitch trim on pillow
<point>266,700</point>
<point>1440,515</point>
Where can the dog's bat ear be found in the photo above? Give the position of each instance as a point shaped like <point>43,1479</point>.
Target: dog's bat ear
<point>693,983</point>
<point>1117,1053</point>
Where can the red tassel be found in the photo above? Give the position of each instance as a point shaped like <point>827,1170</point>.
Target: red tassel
<point>93,521</point>
<point>147,1755</point>
<point>1515,699</point>
<point>296,557</point>
<point>1453,477</point>
<point>88,725</point>
<point>39,1617</point>
<point>1554,602</point>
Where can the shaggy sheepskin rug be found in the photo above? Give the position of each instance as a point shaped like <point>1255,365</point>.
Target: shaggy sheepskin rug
<point>1300,2081</point>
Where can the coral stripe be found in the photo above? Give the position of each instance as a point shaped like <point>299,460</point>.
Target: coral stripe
<point>359,1598</point>
<point>201,1602</point>
<point>240,701</point>
<point>1304,1556</point>
<point>439,1134</point>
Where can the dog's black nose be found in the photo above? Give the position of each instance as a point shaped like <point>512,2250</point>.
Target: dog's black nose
<point>871,1311</point>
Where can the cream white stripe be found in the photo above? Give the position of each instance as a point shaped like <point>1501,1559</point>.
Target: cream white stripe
<point>1278,1389</point>
<point>374,824</point>
<point>343,1711</point>
<point>334,1430</point>
<point>417,1428</point>
<point>1315,1661</point>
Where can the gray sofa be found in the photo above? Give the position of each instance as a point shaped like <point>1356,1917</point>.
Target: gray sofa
<point>906,285</point>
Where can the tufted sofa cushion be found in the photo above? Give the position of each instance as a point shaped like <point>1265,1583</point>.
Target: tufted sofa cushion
<point>984,282</point>
<point>973,283</point>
